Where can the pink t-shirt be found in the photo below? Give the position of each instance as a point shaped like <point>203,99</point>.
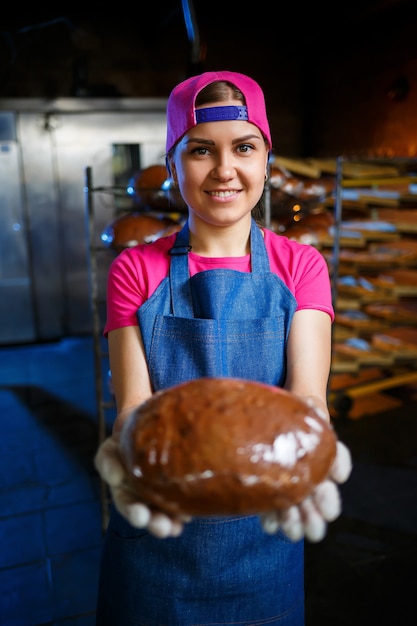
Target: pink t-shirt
<point>136,272</point>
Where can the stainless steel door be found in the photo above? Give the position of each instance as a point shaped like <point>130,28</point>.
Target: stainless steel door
<point>44,257</point>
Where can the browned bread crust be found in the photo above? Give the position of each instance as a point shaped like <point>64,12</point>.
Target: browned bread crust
<point>225,446</point>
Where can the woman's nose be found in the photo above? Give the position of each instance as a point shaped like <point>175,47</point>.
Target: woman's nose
<point>224,168</point>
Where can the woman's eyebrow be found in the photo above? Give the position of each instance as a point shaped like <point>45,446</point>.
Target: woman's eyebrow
<point>249,137</point>
<point>199,140</point>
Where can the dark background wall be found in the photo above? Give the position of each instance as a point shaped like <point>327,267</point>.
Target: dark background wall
<point>338,79</point>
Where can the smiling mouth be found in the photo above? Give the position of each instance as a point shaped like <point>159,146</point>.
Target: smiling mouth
<point>223,194</point>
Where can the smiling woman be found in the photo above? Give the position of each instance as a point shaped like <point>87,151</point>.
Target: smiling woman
<point>222,298</point>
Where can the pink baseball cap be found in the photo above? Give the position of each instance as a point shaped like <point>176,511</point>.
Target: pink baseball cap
<point>181,113</point>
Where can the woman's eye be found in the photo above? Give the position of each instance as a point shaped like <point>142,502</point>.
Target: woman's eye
<point>199,150</point>
<point>245,147</point>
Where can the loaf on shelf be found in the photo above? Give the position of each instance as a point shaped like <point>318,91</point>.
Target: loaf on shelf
<point>402,342</point>
<point>133,228</point>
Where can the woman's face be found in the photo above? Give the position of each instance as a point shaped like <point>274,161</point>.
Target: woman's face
<point>220,169</point>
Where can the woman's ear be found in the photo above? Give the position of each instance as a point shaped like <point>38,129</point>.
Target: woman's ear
<point>171,170</point>
<point>169,163</point>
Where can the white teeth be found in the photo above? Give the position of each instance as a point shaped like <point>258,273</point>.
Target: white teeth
<point>222,194</point>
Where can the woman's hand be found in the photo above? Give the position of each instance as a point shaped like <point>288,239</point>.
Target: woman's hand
<point>309,519</point>
<point>110,467</point>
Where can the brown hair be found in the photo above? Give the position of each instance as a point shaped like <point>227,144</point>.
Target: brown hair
<point>219,91</point>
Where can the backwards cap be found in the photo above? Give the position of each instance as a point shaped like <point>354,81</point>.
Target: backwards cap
<point>181,113</point>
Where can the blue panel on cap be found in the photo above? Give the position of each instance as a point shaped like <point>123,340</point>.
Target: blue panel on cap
<point>221,114</point>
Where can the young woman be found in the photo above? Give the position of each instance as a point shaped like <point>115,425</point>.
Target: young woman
<point>164,302</point>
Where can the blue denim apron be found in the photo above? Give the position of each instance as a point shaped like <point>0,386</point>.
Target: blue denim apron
<point>223,570</point>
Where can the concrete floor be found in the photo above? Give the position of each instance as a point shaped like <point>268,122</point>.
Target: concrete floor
<point>363,572</point>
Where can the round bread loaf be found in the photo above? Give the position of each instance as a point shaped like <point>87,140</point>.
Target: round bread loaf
<point>225,446</point>
<point>130,229</point>
<point>148,184</point>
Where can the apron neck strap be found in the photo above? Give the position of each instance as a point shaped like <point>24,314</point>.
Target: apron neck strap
<point>179,274</point>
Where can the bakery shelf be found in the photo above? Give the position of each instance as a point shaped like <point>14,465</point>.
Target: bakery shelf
<point>375,288</point>
<point>342,396</point>
<point>365,225</point>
